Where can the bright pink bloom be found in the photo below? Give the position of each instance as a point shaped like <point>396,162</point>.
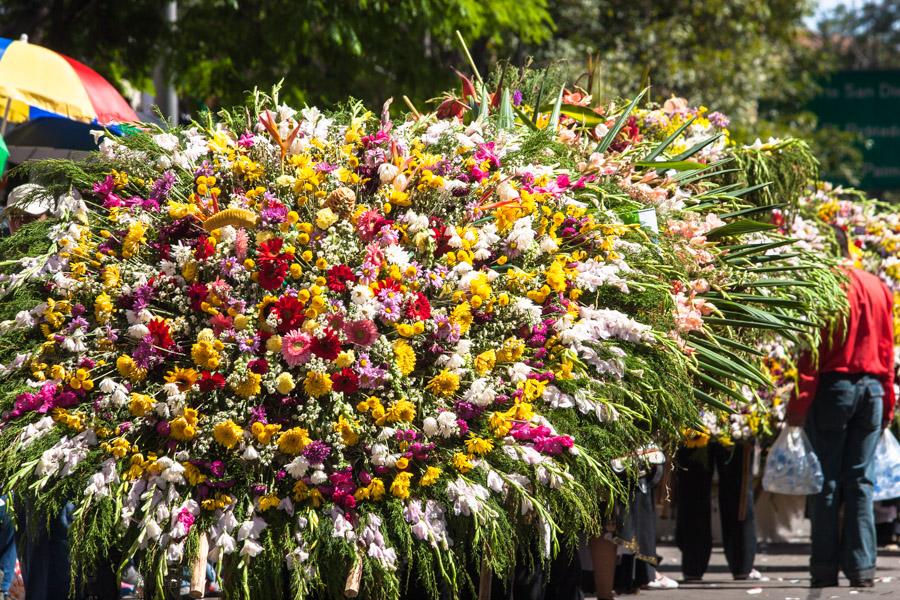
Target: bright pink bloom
<point>296,347</point>
<point>362,332</point>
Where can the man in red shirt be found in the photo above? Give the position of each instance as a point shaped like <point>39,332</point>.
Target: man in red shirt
<point>844,402</point>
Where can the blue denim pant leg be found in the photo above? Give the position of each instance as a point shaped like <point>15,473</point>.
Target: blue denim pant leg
<point>843,427</point>
<point>7,546</point>
<point>45,553</point>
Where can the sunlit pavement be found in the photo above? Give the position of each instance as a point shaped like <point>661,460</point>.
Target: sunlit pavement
<point>785,565</point>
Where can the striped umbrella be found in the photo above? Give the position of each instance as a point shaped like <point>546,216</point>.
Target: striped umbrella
<point>36,81</point>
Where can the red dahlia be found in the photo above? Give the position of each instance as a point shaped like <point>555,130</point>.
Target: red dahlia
<point>345,381</point>
<point>159,334</point>
<point>210,381</point>
<point>327,347</point>
<point>204,249</point>
<point>273,263</point>
<point>419,308</point>
<point>340,277</point>
<point>289,312</point>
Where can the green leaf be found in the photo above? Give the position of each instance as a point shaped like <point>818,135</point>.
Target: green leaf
<point>665,143</point>
<point>485,106</point>
<point>721,387</point>
<point>749,211</point>
<point>752,188</point>
<point>506,120</point>
<point>554,116</point>
<point>707,399</point>
<point>748,324</point>
<point>697,147</point>
<point>524,118</point>
<point>739,227</point>
<point>540,95</point>
<point>677,165</point>
<point>779,282</point>
<point>619,124</point>
<point>582,114</point>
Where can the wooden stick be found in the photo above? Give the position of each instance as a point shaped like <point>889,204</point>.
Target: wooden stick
<point>198,569</point>
<point>354,578</point>
<point>5,116</point>
<point>484,582</point>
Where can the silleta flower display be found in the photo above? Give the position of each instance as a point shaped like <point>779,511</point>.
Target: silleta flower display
<point>326,340</point>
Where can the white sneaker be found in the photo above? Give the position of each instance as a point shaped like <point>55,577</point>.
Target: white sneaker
<point>662,583</point>
<point>753,575</point>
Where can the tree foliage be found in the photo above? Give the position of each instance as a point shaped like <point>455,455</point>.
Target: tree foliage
<point>864,35</point>
<point>729,54</point>
<point>325,50</point>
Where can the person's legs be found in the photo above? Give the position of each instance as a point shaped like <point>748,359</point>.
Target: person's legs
<point>603,558</point>
<point>693,530</point>
<point>564,580</point>
<point>736,507</point>
<point>826,428</point>
<point>863,430</point>
<point>7,546</point>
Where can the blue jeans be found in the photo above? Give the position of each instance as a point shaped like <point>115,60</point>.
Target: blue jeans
<point>7,545</point>
<point>45,552</point>
<point>844,425</point>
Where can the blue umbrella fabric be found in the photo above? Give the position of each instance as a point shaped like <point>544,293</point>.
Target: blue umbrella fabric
<point>51,137</point>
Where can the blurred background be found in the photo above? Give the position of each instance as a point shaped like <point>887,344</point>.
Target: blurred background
<point>827,71</point>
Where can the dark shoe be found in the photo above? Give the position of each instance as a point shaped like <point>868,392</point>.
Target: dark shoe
<point>823,583</point>
<point>862,583</point>
<point>692,578</point>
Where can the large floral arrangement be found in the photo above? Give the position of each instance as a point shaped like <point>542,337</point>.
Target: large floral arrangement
<point>323,341</point>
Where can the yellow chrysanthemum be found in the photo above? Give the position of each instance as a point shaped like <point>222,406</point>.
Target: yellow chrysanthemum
<point>228,433</point>
<point>293,441</point>
<point>479,445</point>
<point>444,384</point>
<point>484,362</point>
<point>140,404</point>
<point>346,431</point>
<point>404,356</point>
<point>400,485</point>
<point>183,378</point>
<point>317,384</point>
<point>249,386</point>
<point>430,476</point>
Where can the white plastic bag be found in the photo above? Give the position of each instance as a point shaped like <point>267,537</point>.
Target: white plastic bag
<point>792,467</point>
<point>886,467</point>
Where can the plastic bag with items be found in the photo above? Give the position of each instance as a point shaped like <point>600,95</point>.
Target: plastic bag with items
<point>886,467</point>
<point>792,467</point>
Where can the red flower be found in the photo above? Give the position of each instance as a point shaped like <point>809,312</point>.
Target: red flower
<point>419,308</point>
<point>289,312</point>
<point>339,277</point>
<point>197,292</point>
<point>441,237</point>
<point>204,249</point>
<point>210,381</point>
<point>159,334</point>
<point>387,284</point>
<point>327,347</point>
<point>345,381</point>
<point>260,366</point>
<point>220,323</point>
<point>273,264</point>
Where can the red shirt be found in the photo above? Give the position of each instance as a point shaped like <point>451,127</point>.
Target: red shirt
<point>866,345</point>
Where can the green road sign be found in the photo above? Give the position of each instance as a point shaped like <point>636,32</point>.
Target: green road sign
<point>868,103</point>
